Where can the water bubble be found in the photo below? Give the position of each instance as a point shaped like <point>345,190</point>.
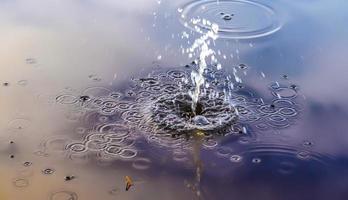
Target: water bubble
<point>246,15</point>
<point>27,164</point>
<point>242,66</point>
<point>227,17</point>
<point>113,150</point>
<point>256,160</point>
<point>307,143</point>
<point>84,98</point>
<point>77,147</point>
<point>236,158</point>
<point>48,171</point>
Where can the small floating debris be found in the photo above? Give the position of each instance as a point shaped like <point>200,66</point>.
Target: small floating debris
<point>6,84</point>
<point>129,182</point>
<point>84,98</point>
<point>69,177</point>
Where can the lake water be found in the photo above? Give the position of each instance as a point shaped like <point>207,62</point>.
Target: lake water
<point>94,91</point>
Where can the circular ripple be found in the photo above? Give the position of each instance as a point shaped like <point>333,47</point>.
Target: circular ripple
<point>63,195</point>
<point>21,182</point>
<point>141,163</point>
<point>238,19</point>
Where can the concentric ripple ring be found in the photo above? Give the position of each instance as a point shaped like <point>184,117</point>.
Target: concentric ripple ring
<point>237,19</point>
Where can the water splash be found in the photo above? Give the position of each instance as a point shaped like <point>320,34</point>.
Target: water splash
<point>202,44</point>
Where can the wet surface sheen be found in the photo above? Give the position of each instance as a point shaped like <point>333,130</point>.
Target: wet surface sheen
<point>93,91</point>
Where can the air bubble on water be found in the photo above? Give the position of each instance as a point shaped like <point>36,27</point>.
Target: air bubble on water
<point>84,98</point>
<point>48,171</point>
<point>236,158</point>
<point>27,164</point>
<point>256,160</point>
<point>307,143</point>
